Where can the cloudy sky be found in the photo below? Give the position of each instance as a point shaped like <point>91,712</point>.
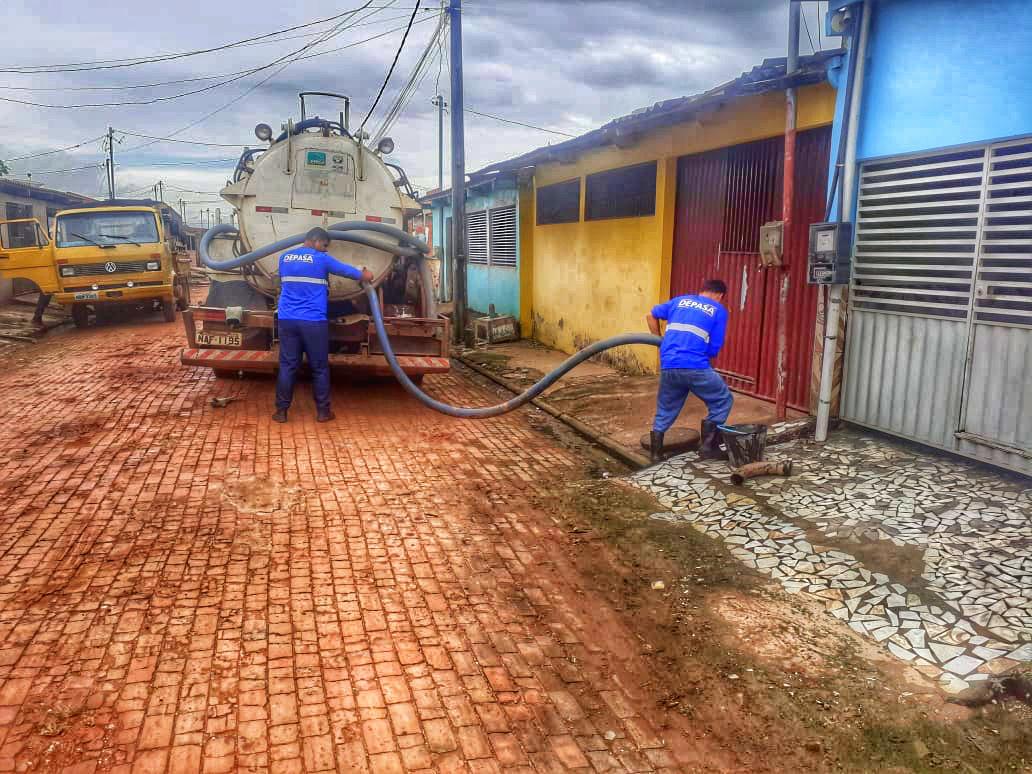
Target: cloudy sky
<point>563,65</point>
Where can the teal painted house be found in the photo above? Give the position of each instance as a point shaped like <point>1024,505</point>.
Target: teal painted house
<point>493,239</point>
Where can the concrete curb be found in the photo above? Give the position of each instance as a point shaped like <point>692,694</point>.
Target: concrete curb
<point>617,450</point>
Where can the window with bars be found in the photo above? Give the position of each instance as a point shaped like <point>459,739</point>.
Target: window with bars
<point>628,192</point>
<point>491,237</point>
<point>752,193</point>
<point>476,237</point>
<point>558,203</point>
<point>1003,293</point>
<point>917,234</point>
<point>502,235</point>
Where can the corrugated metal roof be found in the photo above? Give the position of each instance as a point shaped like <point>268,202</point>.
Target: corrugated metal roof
<point>766,77</point>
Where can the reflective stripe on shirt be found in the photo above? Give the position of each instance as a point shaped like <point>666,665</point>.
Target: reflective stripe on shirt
<point>309,280</point>
<point>686,328</point>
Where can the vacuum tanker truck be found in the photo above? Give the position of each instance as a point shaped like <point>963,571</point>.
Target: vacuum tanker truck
<point>316,173</point>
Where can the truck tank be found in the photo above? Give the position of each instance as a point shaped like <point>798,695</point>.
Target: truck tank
<point>315,173</point>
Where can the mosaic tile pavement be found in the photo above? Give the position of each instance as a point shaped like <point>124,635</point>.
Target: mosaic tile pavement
<point>968,616</point>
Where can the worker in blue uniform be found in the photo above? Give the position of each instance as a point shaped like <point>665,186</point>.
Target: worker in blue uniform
<point>304,292</point>
<point>695,326</point>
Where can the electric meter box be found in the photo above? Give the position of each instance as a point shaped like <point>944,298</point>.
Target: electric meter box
<point>828,258</point>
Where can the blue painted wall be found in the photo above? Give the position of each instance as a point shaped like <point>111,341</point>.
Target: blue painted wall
<point>946,72</point>
<point>485,285</point>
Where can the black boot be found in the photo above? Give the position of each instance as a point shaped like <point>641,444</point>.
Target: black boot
<point>656,446</point>
<point>709,444</point>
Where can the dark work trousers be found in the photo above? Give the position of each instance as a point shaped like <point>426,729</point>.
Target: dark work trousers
<point>312,339</point>
<point>675,384</point>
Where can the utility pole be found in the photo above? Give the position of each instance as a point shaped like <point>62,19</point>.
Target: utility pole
<point>182,209</point>
<point>441,105</point>
<point>218,215</point>
<point>111,162</point>
<point>161,190</point>
<point>787,204</point>
<point>458,176</point>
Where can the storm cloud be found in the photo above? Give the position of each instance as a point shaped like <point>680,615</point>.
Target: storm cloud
<point>563,65</point>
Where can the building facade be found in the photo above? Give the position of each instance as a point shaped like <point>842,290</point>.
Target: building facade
<point>939,332</point>
<point>493,264</point>
<point>651,204</point>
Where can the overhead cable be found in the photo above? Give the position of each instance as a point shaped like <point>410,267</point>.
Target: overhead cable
<point>518,123</point>
<point>390,71</point>
<point>110,64</point>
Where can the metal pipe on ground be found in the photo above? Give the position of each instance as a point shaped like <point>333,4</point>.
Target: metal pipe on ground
<point>762,468</point>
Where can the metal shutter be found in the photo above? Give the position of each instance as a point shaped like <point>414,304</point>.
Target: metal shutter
<point>503,236</point>
<point>476,236</point>
<point>917,232</point>
<point>1003,292</point>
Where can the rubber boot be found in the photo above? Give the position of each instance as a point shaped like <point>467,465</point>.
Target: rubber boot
<point>656,446</point>
<point>709,444</point>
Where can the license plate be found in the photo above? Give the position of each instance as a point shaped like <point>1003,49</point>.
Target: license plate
<point>220,339</point>
<point>89,295</point>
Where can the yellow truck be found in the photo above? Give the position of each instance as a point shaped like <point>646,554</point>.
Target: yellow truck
<point>101,258</point>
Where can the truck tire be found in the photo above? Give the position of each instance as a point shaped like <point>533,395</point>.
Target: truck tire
<point>80,315</point>
<point>168,308</point>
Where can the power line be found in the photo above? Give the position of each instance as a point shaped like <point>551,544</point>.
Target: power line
<point>110,64</point>
<point>412,85</point>
<point>58,171</point>
<point>177,163</point>
<point>806,26</point>
<point>390,72</point>
<point>58,150</point>
<point>333,32</point>
<point>518,123</point>
<point>184,142</point>
<point>179,81</point>
<point>257,85</point>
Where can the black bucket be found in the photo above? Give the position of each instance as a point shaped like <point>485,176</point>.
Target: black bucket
<point>745,443</point>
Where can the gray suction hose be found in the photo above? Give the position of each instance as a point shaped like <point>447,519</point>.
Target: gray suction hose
<point>526,396</point>
<point>346,232</point>
<point>410,246</point>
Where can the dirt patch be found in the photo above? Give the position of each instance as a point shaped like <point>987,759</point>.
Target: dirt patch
<point>260,496</point>
<point>769,677</point>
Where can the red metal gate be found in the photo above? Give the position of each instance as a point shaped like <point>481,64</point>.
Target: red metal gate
<point>723,197</point>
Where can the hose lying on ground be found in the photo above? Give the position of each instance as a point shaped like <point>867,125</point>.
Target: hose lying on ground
<point>408,245</point>
<point>526,396</point>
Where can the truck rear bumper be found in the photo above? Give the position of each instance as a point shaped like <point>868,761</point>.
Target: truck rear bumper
<point>267,361</point>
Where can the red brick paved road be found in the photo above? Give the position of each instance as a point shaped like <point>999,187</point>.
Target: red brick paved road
<point>186,589</point>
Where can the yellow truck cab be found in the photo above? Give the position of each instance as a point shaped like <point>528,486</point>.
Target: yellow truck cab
<point>100,257</point>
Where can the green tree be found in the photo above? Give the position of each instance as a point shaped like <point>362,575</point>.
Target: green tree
<point>3,169</point>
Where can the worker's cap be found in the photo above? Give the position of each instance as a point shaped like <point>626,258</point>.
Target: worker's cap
<point>317,234</point>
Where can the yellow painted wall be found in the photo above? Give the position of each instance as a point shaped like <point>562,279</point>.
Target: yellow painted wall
<point>594,279</point>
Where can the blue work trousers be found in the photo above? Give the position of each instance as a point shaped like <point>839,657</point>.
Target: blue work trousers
<point>299,337</point>
<point>675,384</point>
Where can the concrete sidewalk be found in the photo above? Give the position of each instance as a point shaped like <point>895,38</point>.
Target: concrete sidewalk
<point>925,554</point>
<point>615,404</point>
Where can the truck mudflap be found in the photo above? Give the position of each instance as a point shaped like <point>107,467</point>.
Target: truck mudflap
<point>267,361</point>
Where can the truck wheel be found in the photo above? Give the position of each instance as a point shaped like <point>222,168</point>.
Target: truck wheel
<point>168,307</point>
<point>80,315</point>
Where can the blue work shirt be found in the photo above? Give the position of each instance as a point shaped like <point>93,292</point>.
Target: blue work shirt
<point>304,274</point>
<point>694,333</point>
